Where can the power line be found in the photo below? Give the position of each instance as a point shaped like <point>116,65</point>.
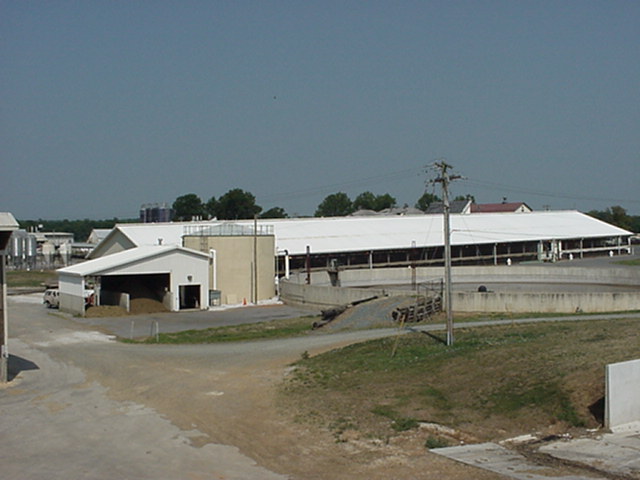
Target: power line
<point>382,178</point>
<point>517,189</point>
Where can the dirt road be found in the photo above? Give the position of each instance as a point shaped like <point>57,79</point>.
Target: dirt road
<point>85,406</point>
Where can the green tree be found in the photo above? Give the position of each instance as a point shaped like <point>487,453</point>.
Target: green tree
<point>365,201</point>
<point>211,207</point>
<point>384,201</point>
<point>617,216</point>
<point>237,204</point>
<point>369,201</point>
<point>425,200</point>
<point>188,207</point>
<point>275,212</point>
<point>335,205</point>
<point>468,196</point>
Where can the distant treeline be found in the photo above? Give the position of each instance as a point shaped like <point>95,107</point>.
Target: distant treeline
<point>81,229</point>
<point>618,216</point>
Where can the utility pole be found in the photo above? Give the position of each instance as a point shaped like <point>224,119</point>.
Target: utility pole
<point>444,179</point>
<point>255,259</point>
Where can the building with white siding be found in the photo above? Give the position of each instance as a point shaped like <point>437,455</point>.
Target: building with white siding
<point>268,248</point>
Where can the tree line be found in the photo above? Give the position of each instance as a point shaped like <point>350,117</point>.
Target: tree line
<point>238,204</point>
<point>619,217</point>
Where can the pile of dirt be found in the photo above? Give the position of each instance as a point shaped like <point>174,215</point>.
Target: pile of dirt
<point>141,306</point>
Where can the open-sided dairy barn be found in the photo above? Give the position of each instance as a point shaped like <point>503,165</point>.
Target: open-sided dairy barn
<point>314,244</point>
<point>373,242</point>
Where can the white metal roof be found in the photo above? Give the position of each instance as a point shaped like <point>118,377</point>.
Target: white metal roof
<point>343,234</point>
<point>8,222</point>
<point>158,233</point>
<point>99,233</point>
<point>350,234</point>
<point>127,257</point>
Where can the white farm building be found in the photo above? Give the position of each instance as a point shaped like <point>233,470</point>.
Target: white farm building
<point>242,258</point>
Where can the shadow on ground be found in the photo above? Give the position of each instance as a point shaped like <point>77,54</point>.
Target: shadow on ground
<point>18,364</point>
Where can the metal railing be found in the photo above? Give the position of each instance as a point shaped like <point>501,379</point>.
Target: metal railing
<point>227,230</point>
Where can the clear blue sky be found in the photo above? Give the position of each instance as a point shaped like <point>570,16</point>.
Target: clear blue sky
<point>106,105</point>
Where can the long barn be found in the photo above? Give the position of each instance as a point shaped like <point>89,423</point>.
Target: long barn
<point>245,256</point>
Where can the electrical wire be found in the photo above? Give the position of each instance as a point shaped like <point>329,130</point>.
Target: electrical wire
<point>382,178</point>
<point>518,189</point>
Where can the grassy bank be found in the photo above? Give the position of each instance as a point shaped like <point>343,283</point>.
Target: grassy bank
<point>493,383</point>
<point>283,328</point>
<point>35,279</point>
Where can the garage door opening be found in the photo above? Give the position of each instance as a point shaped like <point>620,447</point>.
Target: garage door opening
<point>147,291</point>
<point>189,296</point>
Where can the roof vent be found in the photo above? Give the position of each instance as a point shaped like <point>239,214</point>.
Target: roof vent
<point>160,241</point>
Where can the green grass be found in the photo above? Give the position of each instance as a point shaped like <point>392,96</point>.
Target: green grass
<point>23,278</point>
<point>633,263</point>
<point>435,442</point>
<point>493,382</point>
<point>282,328</point>
<point>285,328</point>
<point>511,399</point>
<point>398,422</point>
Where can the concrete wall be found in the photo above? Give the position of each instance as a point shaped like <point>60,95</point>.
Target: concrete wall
<point>319,292</point>
<point>4,321</point>
<point>169,301</point>
<point>119,299</point>
<point>234,265</point>
<point>622,394</point>
<point>480,274</point>
<point>325,297</point>
<point>71,294</point>
<point>558,302</point>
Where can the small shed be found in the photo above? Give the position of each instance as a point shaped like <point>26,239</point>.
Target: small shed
<point>176,276</point>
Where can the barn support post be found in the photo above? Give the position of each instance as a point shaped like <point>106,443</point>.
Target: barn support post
<point>308,265</point>
<point>255,259</point>
<point>4,353</point>
<point>287,269</point>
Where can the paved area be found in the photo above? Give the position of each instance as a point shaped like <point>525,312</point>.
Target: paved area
<point>604,456</point>
<point>617,453</point>
<point>498,459</point>
<point>133,441</point>
<point>145,325</point>
<point>54,418</point>
<point>58,424</point>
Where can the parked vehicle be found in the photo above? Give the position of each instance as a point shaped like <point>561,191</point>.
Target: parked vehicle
<point>89,297</point>
<point>51,298</point>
